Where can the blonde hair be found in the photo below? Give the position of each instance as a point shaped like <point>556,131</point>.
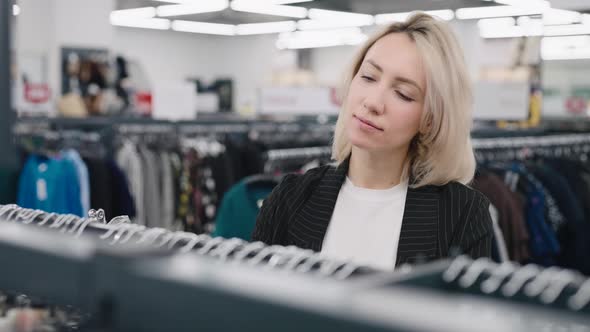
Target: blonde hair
<point>441,152</point>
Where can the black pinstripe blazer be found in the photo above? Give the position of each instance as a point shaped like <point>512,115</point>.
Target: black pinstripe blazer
<point>436,218</point>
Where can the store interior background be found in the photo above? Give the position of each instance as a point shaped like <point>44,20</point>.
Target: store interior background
<point>168,58</point>
<point>513,58</point>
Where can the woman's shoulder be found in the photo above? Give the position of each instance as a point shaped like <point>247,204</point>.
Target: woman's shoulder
<point>309,178</point>
<point>464,195</point>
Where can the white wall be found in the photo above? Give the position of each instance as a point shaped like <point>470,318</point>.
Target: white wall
<point>48,25</point>
<point>45,26</point>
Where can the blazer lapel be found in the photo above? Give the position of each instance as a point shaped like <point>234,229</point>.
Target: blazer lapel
<point>419,233</point>
<point>310,225</point>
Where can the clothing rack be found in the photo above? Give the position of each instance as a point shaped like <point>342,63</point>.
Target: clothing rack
<point>551,287</point>
<point>130,288</point>
<point>312,152</point>
<point>120,230</point>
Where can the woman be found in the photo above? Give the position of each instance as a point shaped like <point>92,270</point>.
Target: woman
<point>402,145</point>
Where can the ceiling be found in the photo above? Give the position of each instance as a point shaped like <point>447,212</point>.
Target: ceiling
<point>372,7</point>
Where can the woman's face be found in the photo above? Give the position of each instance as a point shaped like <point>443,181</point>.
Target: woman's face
<point>386,96</point>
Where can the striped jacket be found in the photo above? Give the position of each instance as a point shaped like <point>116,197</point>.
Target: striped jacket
<point>437,219</point>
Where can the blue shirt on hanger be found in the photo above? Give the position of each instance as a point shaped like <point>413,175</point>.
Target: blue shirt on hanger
<point>51,185</point>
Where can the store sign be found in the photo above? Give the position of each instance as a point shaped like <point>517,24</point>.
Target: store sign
<point>576,105</point>
<point>37,93</point>
<point>501,100</point>
<point>298,100</point>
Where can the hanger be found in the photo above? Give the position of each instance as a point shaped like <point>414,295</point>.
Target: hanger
<point>211,244</point>
<point>474,271</point>
<point>131,232</point>
<point>330,267</point>
<point>455,269</point>
<point>561,281</point>
<point>346,271</point>
<point>196,239</point>
<point>519,278</point>
<point>259,257</point>
<point>226,248</point>
<point>541,281</point>
<point>493,282</point>
<point>581,298</point>
<point>34,215</point>
<point>298,258</point>
<point>309,264</point>
<point>248,249</point>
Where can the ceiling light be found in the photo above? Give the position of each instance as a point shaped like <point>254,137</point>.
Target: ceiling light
<point>496,23</point>
<point>262,28</point>
<point>208,6</point>
<point>496,11</point>
<point>565,48</point>
<point>275,10</point>
<point>567,30</point>
<point>205,28</point>
<point>323,38</point>
<point>15,10</point>
<point>505,27</point>
<point>322,14</point>
<point>383,19</point>
<point>559,16</point>
<point>136,13</point>
<point>525,3</point>
<point>145,23</point>
<point>270,2</point>
<point>328,24</point>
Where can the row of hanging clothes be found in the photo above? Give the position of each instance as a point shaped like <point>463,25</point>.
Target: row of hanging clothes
<point>539,188</point>
<point>71,171</point>
<point>163,174</point>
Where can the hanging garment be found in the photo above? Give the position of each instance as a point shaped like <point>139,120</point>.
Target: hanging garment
<point>100,186</point>
<point>239,208</point>
<point>122,201</point>
<point>83,180</point>
<point>129,160</point>
<point>511,218</point>
<point>151,198</point>
<point>167,185</point>
<point>51,185</point>
<point>573,235</point>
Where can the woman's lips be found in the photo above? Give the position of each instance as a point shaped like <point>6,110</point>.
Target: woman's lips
<point>368,123</point>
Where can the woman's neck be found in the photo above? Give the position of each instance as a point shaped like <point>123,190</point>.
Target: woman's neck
<point>376,170</point>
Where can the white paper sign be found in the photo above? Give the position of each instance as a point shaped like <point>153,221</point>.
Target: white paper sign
<point>501,101</point>
<point>298,100</point>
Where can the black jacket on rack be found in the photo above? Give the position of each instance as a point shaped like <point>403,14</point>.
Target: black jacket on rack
<point>436,219</point>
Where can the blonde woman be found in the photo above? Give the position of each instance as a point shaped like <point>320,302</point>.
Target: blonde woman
<point>398,193</point>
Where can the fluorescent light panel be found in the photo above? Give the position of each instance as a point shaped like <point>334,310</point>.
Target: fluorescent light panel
<point>203,27</point>
<point>496,11</point>
<point>137,13</point>
<point>269,2</point>
<point>263,28</point>
<point>276,10</point>
<point>567,30</point>
<point>145,23</point>
<point>525,3</point>
<point>328,24</point>
<point>383,19</point>
<point>559,17</point>
<point>15,10</point>
<point>322,38</point>
<point>322,14</point>
<point>208,6</point>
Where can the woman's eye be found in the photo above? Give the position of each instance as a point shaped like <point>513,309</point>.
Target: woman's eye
<point>404,97</point>
<point>367,78</point>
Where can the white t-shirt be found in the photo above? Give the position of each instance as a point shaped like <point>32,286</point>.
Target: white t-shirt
<point>366,225</point>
